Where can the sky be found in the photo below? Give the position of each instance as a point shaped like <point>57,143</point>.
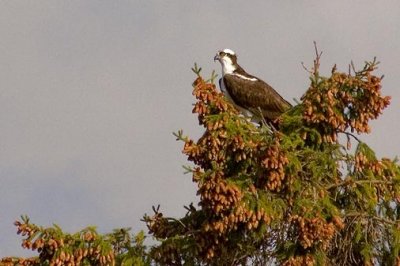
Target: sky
<point>91,92</point>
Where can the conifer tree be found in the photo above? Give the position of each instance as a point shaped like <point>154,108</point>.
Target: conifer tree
<point>309,193</point>
<point>297,196</point>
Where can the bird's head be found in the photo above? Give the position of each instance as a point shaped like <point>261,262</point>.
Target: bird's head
<point>228,60</point>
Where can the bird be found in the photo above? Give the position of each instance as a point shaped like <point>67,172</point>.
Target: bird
<point>253,97</point>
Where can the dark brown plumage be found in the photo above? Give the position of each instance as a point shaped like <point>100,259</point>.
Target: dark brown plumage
<point>259,95</point>
<point>249,92</point>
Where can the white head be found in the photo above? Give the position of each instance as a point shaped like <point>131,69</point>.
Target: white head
<point>228,60</point>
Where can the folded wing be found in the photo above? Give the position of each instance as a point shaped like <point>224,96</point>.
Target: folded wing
<point>254,95</point>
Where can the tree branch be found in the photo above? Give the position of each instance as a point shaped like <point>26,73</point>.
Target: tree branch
<point>359,182</point>
<point>363,215</point>
<point>351,135</point>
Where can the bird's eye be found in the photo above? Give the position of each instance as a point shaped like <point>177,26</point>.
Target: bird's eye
<point>222,53</point>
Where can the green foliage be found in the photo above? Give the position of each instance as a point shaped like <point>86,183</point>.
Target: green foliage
<point>85,247</point>
<point>289,196</point>
<point>298,195</point>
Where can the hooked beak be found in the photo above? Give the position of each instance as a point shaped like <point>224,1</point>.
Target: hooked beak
<point>216,57</point>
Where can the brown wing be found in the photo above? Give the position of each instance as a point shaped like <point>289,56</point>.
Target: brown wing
<point>252,95</point>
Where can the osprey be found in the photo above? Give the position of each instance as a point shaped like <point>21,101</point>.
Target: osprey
<point>252,96</point>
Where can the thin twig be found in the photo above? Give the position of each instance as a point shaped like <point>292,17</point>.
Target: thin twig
<point>305,68</point>
<point>350,134</point>
<point>359,182</point>
<point>353,67</point>
<point>318,54</point>
<point>317,59</point>
<point>176,220</point>
<point>264,122</point>
<point>363,215</point>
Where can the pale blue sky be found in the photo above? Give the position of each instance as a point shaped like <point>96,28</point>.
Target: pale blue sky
<point>91,91</point>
